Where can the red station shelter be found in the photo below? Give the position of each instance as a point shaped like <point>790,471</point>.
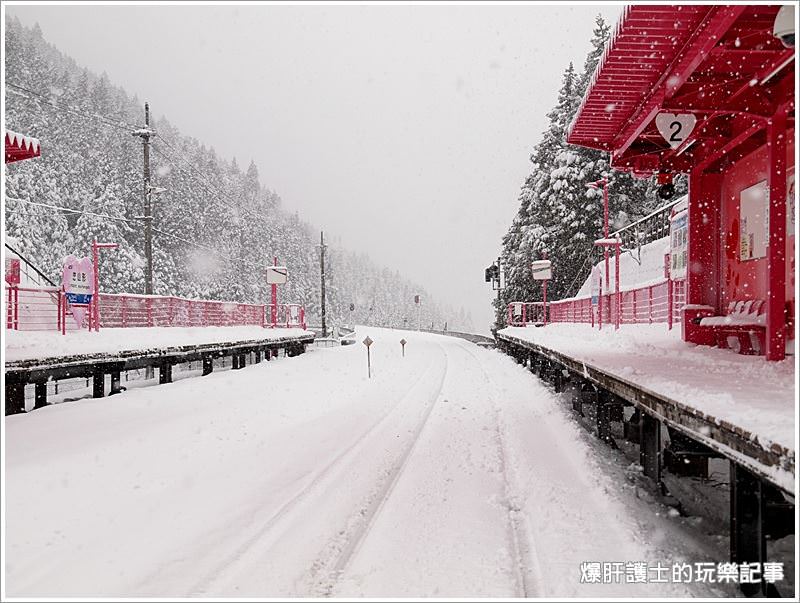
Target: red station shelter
<point>709,91</point>
<point>19,147</point>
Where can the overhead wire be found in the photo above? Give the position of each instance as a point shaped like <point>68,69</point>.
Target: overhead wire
<point>41,98</point>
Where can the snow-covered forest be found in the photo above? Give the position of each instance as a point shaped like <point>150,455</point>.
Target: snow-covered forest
<point>559,217</point>
<point>216,226</point>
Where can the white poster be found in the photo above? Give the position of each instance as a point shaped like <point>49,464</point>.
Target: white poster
<point>753,226</point>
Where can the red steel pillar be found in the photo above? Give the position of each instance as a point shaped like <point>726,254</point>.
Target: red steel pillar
<point>616,289</point>
<point>544,298</point>
<point>94,313</point>
<point>776,246</point>
<point>274,308</point>
<point>605,221</point>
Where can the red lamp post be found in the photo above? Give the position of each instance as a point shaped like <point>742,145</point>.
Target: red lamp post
<point>595,185</point>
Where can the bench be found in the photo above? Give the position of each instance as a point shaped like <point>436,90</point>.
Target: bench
<point>742,328</point>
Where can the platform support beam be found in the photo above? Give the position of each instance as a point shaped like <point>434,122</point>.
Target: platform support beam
<point>40,394</point>
<point>257,357</point>
<point>748,541</point>
<point>116,386</point>
<point>98,383</point>
<point>685,456</point>
<point>603,417</point>
<point>164,373</point>
<point>650,447</point>
<point>632,427</point>
<point>15,398</point>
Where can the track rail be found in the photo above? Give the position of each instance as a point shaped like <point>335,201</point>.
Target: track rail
<point>205,585</point>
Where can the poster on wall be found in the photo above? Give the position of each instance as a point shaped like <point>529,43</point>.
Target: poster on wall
<point>678,245</point>
<point>753,226</point>
<point>790,224</point>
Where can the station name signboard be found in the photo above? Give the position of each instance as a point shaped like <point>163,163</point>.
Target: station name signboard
<point>78,282</point>
<point>542,270</point>
<point>277,275</point>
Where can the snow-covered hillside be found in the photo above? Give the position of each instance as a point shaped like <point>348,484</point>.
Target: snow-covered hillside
<point>217,225</point>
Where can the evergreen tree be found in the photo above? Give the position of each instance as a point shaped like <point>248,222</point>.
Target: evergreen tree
<point>216,228</point>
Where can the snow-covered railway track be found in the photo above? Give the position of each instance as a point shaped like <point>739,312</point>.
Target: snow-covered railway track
<point>334,555</point>
<point>331,566</point>
<point>527,569</point>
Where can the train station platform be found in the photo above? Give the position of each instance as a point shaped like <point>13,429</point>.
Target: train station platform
<point>36,358</point>
<point>742,407</point>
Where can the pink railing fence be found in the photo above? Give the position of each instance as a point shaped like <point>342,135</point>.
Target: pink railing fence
<point>643,305</point>
<point>38,309</point>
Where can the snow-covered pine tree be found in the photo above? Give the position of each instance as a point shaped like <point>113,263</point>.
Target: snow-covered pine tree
<point>216,227</point>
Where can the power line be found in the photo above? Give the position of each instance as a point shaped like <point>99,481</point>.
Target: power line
<point>192,173</point>
<point>71,211</point>
<point>41,98</point>
<point>108,217</point>
<point>203,180</point>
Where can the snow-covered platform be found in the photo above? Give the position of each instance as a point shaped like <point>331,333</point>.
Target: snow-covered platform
<point>740,406</point>
<point>37,357</point>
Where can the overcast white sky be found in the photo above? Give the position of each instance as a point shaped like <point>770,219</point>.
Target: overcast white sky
<point>403,131</point>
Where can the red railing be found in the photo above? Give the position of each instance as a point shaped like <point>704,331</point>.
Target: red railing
<point>643,305</point>
<point>40,309</point>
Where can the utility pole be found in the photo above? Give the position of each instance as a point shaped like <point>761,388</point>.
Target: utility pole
<point>145,134</point>
<point>499,276</point>
<point>322,280</point>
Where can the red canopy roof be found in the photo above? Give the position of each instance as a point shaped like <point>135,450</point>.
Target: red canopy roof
<point>19,146</point>
<point>719,63</point>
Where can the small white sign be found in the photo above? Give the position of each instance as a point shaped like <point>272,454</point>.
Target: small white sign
<point>675,128</point>
<point>277,275</point>
<point>541,270</point>
<point>595,285</point>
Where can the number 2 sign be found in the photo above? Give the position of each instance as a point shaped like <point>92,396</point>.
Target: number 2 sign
<point>675,128</point>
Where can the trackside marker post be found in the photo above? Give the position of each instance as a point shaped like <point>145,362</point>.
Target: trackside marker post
<point>368,342</point>
<point>403,343</point>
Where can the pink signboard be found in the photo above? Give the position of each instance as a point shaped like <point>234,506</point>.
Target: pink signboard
<point>78,285</point>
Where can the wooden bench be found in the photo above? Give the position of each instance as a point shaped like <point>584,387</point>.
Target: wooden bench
<point>743,328</point>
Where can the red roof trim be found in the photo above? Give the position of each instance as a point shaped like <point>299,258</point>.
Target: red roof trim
<point>19,147</point>
<point>721,63</point>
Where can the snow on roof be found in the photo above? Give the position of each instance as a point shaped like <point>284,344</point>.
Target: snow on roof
<point>608,242</point>
<point>20,146</point>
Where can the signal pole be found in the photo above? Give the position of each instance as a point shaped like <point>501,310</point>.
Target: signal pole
<point>322,247</point>
<point>145,134</point>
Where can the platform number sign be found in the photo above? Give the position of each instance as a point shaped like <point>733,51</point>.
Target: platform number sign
<point>675,128</point>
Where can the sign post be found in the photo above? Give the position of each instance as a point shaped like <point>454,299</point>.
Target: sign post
<point>617,244</point>
<point>78,282</point>
<point>276,275</point>
<point>542,271</point>
<point>368,342</point>
<point>595,284</point>
<point>403,343</point>
<point>95,307</point>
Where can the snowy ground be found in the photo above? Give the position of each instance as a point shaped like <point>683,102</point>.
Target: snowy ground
<point>452,472</point>
<point>23,345</point>
<point>746,391</point>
